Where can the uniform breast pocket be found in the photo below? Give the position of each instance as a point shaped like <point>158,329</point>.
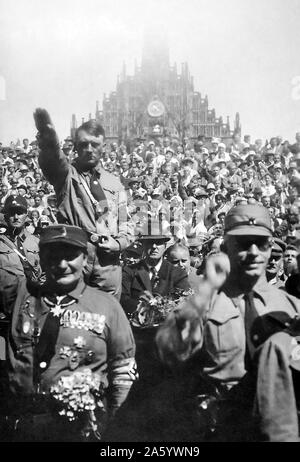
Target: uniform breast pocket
<point>225,337</point>
<point>4,257</point>
<point>231,335</point>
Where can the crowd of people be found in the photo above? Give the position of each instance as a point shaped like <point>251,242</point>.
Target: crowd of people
<point>189,187</point>
<point>133,220</point>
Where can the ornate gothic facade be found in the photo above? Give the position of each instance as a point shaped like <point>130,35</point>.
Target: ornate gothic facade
<point>158,100</point>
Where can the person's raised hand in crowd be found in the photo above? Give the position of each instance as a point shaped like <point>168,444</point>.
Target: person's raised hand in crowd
<point>217,269</point>
<point>47,136</point>
<point>181,335</point>
<point>109,244</point>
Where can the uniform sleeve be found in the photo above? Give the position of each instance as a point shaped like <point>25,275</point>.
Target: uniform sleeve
<point>54,165</point>
<point>120,357</point>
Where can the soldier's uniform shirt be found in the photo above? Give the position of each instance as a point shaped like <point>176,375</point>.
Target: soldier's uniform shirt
<point>93,333</point>
<point>224,337</point>
<point>11,267</point>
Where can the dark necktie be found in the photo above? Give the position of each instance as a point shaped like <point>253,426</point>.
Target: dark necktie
<point>155,277</point>
<point>250,315</point>
<point>97,191</point>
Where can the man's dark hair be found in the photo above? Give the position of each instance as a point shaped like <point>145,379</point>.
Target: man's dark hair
<point>92,127</point>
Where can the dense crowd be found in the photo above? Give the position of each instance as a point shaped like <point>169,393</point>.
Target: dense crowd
<point>180,189</point>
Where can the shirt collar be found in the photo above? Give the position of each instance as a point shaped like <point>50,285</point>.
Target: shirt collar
<point>157,267</point>
<point>260,290</point>
<point>75,293</point>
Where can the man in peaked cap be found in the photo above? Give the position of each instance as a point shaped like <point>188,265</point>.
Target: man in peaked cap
<point>246,334</point>
<point>67,328</point>
<point>19,257</point>
<point>274,271</point>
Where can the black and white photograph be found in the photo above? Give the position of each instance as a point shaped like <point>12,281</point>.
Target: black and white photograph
<point>149,224</point>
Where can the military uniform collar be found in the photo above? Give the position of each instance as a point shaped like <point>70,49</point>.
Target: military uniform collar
<point>22,236</point>
<point>260,289</point>
<point>75,293</point>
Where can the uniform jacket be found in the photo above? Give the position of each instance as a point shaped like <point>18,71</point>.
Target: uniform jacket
<point>135,280</point>
<point>93,333</point>
<point>223,338</point>
<point>74,204</point>
<point>11,268</point>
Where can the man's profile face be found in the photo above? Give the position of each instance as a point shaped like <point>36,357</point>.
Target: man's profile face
<point>63,265</point>
<point>16,218</point>
<point>248,255</point>
<point>180,257</point>
<point>89,149</point>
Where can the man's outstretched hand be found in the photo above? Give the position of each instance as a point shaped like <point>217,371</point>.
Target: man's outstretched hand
<point>46,131</point>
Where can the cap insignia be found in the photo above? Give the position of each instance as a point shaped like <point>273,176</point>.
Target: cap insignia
<point>63,231</point>
<point>252,221</point>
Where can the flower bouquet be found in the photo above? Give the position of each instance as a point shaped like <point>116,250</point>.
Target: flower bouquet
<point>79,399</point>
<point>153,311</point>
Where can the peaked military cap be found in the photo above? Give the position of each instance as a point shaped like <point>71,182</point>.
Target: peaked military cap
<point>17,202</point>
<point>278,247</point>
<point>248,219</point>
<point>72,235</point>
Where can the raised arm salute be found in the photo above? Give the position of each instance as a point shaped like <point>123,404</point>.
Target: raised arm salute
<point>88,197</point>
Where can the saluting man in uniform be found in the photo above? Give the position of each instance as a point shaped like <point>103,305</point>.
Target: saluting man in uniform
<point>19,253</point>
<point>246,342</point>
<point>89,197</point>
<point>69,327</point>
